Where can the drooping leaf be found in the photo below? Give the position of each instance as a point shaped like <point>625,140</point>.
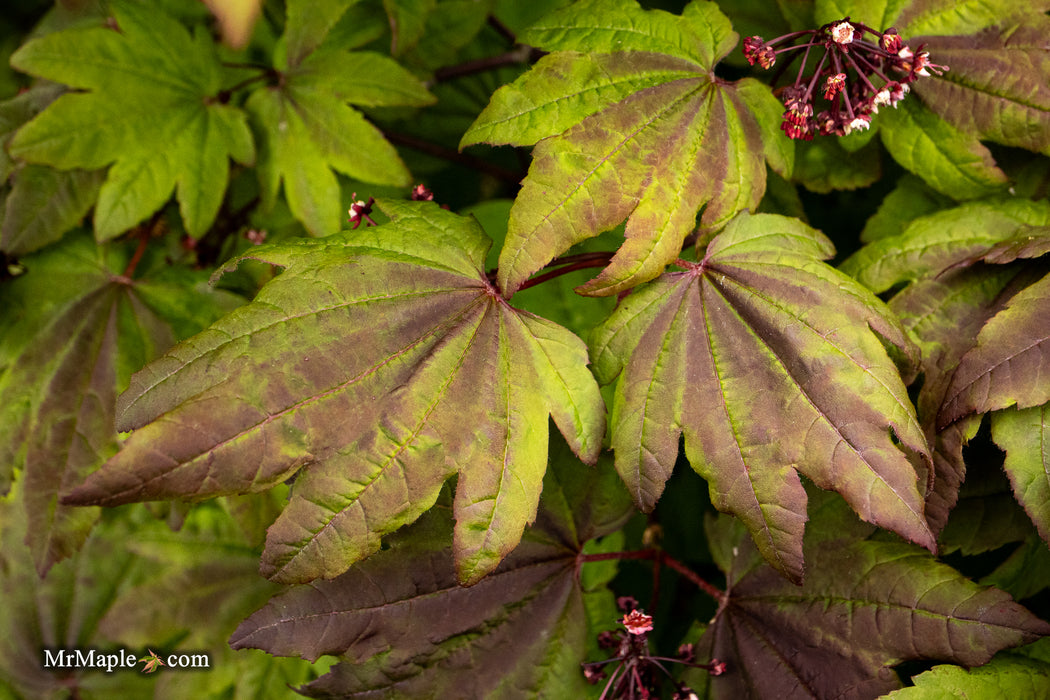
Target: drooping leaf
<point>1005,676</point>
<point>950,161</point>
<point>402,626</point>
<point>765,359</point>
<point>307,127</point>
<point>149,84</point>
<point>75,329</point>
<point>631,123</point>
<point>399,365</point>
<point>866,605</point>
<point>1026,572</point>
<point>909,200</point>
<point>943,314</point>
<point>1025,437</point>
<point>1010,364</point>
<point>949,238</point>
<point>998,88</point>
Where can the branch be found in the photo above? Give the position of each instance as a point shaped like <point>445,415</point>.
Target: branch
<point>453,156</point>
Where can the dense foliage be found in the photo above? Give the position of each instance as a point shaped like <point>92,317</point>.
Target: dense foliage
<point>482,348</point>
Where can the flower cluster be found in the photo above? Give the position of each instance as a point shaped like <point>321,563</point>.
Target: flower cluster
<point>634,675</point>
<point>855,75</point>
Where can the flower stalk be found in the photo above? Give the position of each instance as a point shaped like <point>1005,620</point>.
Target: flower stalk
<point>853,75</point>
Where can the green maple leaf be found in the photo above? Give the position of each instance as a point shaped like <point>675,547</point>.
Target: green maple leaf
<point>1025,435</point>
<point>629,122</point>
<point>384,360</point>
<point>74,330</point>
<point>147,107</point>
<point>1006,676</point>
<point>43,203</point>
<point>307,127</point>
<point>866,605</point>
<point>764,358</point>
<point>402,626</point>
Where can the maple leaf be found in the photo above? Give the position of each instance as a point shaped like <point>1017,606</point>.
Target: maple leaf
<point>401,625</point>
<point>1005,676</point>
<point>867,604</point>
<point>950,300</point>
<point>43,203</point>
<point>149,83</point>
<point>1024,435</point>
<point>152,662</point>
<point>765,359</point>
<point>74,329</point>
<point>390,364</point>
<point>307,127</point>
<point>629,122</point>
<point>1010,364</point>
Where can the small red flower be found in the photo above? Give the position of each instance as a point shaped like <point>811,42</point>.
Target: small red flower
<point>834,85</point>
<point>637,622</point>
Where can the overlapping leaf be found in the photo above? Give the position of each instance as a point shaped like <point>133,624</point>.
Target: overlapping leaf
<point>386,361</point>
<point>764,358</point>
<point>866,606</point>
<point>630,123</point>
<point>1010,364</point>
<point>43,203</point>
<point>148,84</point>
<point>307,128</point>
<point>949,301</point>
<point>1025,436</point>
<point>402,626</point>
<point>74,329</point>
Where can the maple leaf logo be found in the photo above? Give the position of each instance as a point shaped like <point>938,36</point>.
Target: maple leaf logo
<point>152,662</point>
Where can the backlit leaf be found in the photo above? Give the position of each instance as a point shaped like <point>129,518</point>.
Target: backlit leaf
<point>399,366</point>
<point>632,124</point>
<point>148,84</point>
<point>76,328</point>
<point>307,127</point>
<point>765,359</point>
<point>866,606</point>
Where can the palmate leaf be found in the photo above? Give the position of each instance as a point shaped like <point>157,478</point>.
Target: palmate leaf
<point>867,605</point>
<point>765,359</point>
<point>386,361</point>
<point>402,627</point>
<point>630,123</point>
<point>74,329</point>
<point>307,128</point>
<point>150,110</point>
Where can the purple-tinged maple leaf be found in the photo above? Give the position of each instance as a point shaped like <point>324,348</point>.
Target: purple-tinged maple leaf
<point>630,122</point>
<point>385,362</point>
<point>867,605</point>
<point>765,359</point>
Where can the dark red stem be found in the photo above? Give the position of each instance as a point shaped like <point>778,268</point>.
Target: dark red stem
<point>569,264</point>
<point>453,156</point>
<point>661,558</point>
